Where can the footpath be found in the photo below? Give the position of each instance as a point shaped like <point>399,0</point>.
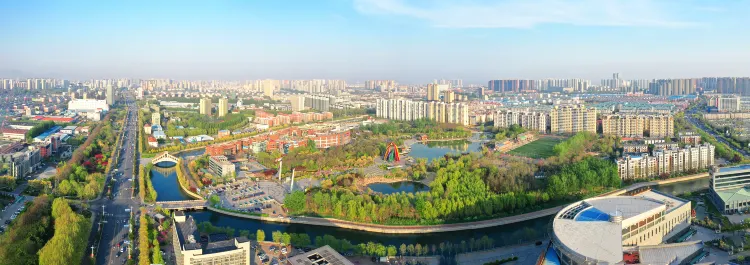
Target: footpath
<point>423,229</point>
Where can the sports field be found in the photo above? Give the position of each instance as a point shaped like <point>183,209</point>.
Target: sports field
<point>541,148</point>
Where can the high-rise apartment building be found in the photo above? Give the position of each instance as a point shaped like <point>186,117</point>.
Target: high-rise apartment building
<point>268,88</point>
<point>666,162</point>
<point>433,92</point>
<point>636,125</point>
<point>381,85</point>
<point>572,119</point>
<point>531,120</point>
<point>513,85</point>
<point>205,106</point>
<point>297,102</point>
<point>110,95</point>
<point>407,110</point>
<point>223,106</point>
<point>449,96</point>
<point>669,87</point>
<point>320,103</point>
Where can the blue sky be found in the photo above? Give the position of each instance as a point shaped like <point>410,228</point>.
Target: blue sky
<point>411,41</point>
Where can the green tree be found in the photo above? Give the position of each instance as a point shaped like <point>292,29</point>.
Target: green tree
<point>261,235</point>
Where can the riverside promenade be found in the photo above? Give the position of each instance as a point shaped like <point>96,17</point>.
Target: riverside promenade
<point>424,229</point>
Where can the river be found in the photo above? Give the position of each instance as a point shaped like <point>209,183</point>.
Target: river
<point>165,183</point>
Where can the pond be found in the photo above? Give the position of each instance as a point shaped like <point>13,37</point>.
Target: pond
<point>396,187</point>
<point>432,150</point>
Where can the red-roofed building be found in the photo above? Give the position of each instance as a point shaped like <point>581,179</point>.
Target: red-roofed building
<point>153,142</point>
<point>10,133</point>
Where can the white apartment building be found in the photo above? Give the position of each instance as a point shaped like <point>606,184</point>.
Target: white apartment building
<point>572,119</point>
<point>634,125</point>
<point>409,110</point>
<point>87,105</point>
<point>668,161</point>
<point>532,120</point>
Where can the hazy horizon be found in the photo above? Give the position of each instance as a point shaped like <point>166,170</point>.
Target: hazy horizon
<point>411,41</point>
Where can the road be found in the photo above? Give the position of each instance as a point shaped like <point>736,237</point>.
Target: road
<point>719,138</point>
<point>116,211</point>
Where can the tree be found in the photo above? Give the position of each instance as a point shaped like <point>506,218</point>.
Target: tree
<point>261,235</point>
<point>276,235</point>
<point>71,234</point>
<point>391,251</point>
<point>295,201</point>
<point>403,249</point>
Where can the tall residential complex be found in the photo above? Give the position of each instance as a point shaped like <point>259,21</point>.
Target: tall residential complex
<point>449,96</point>
<point>433,92</point>
<point>727,85</point>
<point>223,106</point>
<point>575,84</point>
<point>669,87</point>
<point>205,106</point>
<point>110,95</point>
<point>321,103</point>
<point>268,88</point>
<point>666,162</point>
<point>512,85</point>
<point>559,119</point>
<point>408,110</point>
<point>636,125</point>
<point>381,85</point>
<point>572,119</point>
<point>297,102</point>
<point>531,120</point>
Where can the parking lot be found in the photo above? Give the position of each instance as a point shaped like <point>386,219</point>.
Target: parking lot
<point>11,212</point>
<point>252,197</point>
<point>272,253</point>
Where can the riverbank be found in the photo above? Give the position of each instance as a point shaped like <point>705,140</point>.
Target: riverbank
<point>424,229</point>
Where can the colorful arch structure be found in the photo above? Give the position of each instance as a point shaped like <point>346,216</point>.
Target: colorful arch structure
<point>391,153</point>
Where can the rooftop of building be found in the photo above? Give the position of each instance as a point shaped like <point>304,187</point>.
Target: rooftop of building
<point>585,228</point>
<point>745,167</point>
<point>675,253</point>
<point>187,233</point>
<point>733,195</point>
<point>13,131</point>
<point>320,256</point>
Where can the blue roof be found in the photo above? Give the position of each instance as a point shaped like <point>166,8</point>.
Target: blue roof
<point>734,168</point>
<point>49,132</point>
<point>592,214</point>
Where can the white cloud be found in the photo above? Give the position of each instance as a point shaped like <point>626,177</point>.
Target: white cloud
<point>531,13</point>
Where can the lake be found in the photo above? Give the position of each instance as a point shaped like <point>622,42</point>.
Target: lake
<point>396,187</point>
<point>432,150</point>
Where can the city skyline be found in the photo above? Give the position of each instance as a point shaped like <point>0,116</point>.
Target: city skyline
<point>358,40</point>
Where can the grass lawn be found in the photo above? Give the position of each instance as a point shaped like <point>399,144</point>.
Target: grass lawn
<point>541,148</point>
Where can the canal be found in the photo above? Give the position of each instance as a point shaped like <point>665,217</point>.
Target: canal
<point>165,183</point>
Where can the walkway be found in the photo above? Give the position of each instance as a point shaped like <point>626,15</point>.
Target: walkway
<point>182,205</point>
<point>423,229</point>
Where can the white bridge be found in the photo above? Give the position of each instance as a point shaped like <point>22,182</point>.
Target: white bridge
<point>183,205</point>
<point>164,156</point>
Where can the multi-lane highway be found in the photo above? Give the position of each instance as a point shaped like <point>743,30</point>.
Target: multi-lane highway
<point>114,243</point>
<point>719,138</point>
